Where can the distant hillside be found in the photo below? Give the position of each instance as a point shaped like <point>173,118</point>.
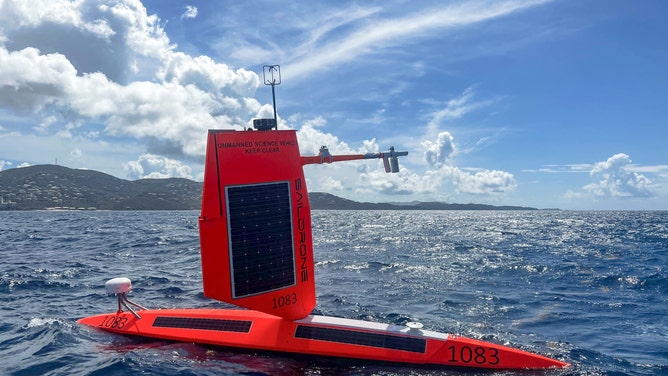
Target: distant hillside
<point>50,186</point>
<point>56,187</point>
<point>326,201</point>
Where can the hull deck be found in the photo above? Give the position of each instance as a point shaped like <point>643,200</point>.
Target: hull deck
<point>318,335</point>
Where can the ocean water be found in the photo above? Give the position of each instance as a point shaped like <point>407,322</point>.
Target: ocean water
<point>590,288</point>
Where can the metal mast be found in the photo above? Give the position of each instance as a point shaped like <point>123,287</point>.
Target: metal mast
<point>272,76</point>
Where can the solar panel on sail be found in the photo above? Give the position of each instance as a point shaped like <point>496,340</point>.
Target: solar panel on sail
<point>260,233</point>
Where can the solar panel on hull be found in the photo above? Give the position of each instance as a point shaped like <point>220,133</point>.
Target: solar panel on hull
<point>221,325</point>
<point>354,337</point>
<point>260,233</point>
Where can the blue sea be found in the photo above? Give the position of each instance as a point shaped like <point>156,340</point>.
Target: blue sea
<point>590,288</point>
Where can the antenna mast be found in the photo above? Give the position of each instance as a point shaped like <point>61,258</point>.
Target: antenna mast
<point>272,76</point>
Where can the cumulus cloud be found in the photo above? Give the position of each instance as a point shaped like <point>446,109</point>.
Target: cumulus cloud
<point>311,139</point>
<point>368,178</point>
<point>158,94</point>
<point>94,36</point>
<point>206,74</point>
<point>481,182</point>
<point>151,166</point>
<point>29,81</point>
<point>615,179</point>
<point>437,153</point>
<point>361,178</point>
<point>374,180</point>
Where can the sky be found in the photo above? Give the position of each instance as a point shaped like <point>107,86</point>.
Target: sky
<point>546,104</point>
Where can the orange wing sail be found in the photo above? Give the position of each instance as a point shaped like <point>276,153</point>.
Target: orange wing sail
<point>255,223</point>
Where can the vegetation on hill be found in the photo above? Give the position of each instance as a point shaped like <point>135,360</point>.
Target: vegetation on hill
<point>57,187</point>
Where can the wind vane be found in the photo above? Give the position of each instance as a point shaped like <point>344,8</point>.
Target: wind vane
<point>272,76</point>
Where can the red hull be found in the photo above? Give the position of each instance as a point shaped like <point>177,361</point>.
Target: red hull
<point>318,335</point>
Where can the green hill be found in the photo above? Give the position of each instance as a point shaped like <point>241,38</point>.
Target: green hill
<point>56,187</point>
<point>51,186</point>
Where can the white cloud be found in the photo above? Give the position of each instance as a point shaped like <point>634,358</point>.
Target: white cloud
<point>191,12</point>
<point>332,184</point>
<point>365,178</point>
<point>483,182</point>
<point>29,80</point>
<point>311,139</point>
<point>438,155</point>
<point>438,152</point>
<point>324,51</point>
<point>372,180</point>
<point>150,166</point>
<point>94,36</point>
<point>615,179</point>
<point>76,154</point>
<point>567,168</point>
<point>109,72</point>
<point>43,126</point>
<point>170,97</point>
<point>457,107</point>
<point>368,179</point>
<point>207,75</point>
<point>24,14</point>
<point>4,164</point>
